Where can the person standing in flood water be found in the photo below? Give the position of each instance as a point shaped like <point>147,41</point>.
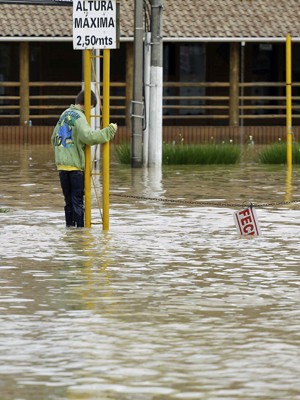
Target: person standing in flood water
<point>70,136</point>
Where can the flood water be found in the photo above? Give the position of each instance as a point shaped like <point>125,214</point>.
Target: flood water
<point>168,304</point>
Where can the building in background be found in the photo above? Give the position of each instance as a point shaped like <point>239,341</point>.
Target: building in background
<point>224,64</point>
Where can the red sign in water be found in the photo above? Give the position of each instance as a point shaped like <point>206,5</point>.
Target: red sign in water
<point>246,222</point>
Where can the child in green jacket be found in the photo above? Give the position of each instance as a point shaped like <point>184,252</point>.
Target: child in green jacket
<point>71,133</point>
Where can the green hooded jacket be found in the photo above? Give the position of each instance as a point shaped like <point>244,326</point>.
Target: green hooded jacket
<point>71,133</point>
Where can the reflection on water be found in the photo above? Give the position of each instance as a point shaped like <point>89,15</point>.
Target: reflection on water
<point>168,304</point>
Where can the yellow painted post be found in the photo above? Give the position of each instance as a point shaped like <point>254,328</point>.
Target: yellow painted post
<point>289,185</point>
<point>289,133</point>
<point>87,111</point>
<point>105,148</point>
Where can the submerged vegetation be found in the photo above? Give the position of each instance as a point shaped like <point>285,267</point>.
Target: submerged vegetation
<point>122,152</point>
<point>222,153</point>
<point>276,154</point>
<point>201,154</point>
<point>189,154</point>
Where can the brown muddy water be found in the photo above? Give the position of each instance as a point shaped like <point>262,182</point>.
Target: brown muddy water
<point>168,304</point>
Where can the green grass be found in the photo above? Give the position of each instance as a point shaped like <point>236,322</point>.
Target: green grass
<point>223,153</point>
<point>201,154</point>
<point>122,153</point>
<point>189,154</point>
<point>276,154</point>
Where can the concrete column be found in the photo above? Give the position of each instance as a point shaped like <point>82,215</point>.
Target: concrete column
<point>156,85</point>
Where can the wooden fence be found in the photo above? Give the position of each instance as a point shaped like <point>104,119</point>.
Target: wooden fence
<point>184,103</point>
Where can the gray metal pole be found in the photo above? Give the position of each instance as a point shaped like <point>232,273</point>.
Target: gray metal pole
<point>147,61</point>
<point>156,86</point>
<point>137,102</point>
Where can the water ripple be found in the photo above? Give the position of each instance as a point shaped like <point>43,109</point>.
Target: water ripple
<point>168,304</point>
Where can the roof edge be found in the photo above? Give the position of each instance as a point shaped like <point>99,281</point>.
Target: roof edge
<point>35,39</point>
<point>39,2</point>
<point>229,39</point>
<point>165,39</point>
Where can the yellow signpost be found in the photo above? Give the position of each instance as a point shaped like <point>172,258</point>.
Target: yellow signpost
<point>89,36</point>
<point>88,168</point>
<point>105,146</point>
<point>289,132</point>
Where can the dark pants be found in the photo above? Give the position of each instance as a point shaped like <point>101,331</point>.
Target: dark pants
<point>72,184</point>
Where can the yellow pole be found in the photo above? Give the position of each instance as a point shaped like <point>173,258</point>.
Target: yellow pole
<point>289,134</point>
<point>105,148</point>
<point>87,111</point>
<point>289,186</point>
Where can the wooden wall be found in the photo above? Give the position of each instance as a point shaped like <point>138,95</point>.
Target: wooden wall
<point>171,134</point>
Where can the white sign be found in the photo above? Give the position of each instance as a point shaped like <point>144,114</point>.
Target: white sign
<point>246,222</point>
<point>94,24</point>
